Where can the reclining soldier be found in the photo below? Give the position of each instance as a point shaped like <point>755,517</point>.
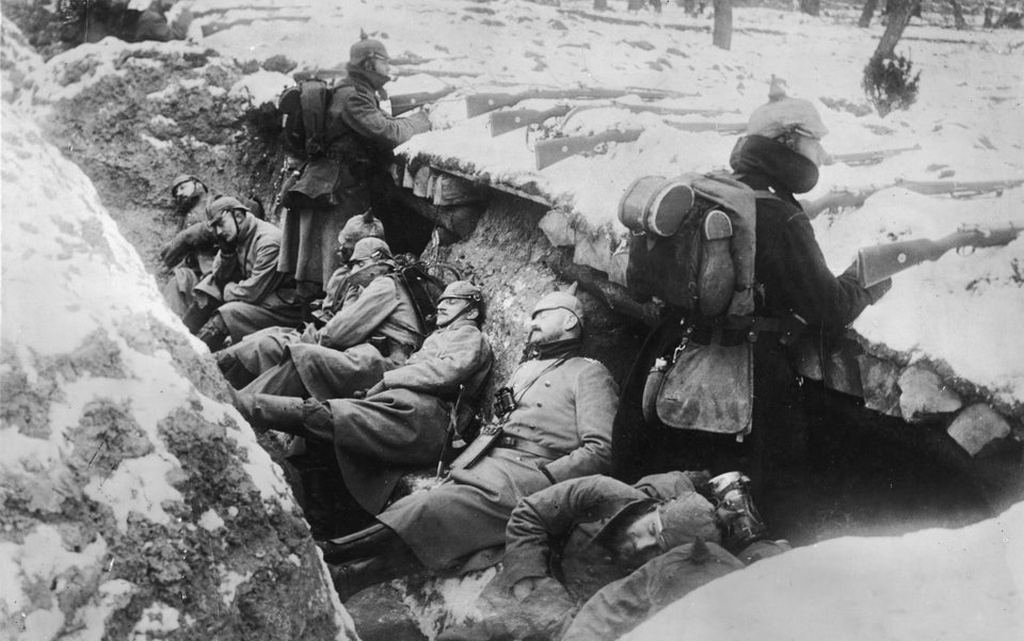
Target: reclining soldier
<point>189,255</point>
<point>375,331</point>
<point>405,420</point>
<point>566,542</point>
<point>243,362</point>
<point>243,292</point>
<point>555,424</point>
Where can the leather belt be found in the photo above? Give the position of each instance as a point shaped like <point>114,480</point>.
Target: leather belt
<point>508,442</point>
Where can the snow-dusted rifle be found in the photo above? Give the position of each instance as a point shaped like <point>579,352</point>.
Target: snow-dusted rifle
<point>409,101</point>
<point>868,157</point>
<point>481,103</point>
<point>876,263</point>
<point>553,150</point>
<point>956,188</point>
<point>505,121</point>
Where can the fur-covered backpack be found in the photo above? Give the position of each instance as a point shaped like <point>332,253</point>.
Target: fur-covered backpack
<point>303,109</point>
<point>693,246</point>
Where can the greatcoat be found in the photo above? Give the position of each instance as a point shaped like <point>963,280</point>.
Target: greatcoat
<point>381,437</point>
<point>360,138</point>
<point>562,426</point>
<point>255,294</point>
<point>340,358</point>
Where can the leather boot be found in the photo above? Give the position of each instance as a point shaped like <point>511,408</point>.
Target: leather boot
<point>376,540</point>
<point>355,576</point>
<point>266,412</point>
<point>214,333</point>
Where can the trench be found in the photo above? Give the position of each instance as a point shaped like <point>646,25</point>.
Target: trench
<point>845,470</point>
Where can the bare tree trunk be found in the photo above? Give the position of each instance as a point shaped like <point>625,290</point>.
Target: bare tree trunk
<point>722,34</point>
<point>867,14</point>
<point>811,7</point>
<point>899,17</point>
<point>958,15</point>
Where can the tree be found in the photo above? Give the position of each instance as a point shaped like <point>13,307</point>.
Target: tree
<point>811,7</point>
<point>722,34</point>
<point>888,78</point>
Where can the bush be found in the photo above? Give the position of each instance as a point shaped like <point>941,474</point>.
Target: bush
<point>890,83</point>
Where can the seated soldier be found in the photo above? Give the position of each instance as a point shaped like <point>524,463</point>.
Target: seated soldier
<point>243,292</point>
<point>405,420</point>
<point>553,423</point>
<point>242,362</point>
<point>566,543</point>
<point>189,256</point>
<point>375,331</point>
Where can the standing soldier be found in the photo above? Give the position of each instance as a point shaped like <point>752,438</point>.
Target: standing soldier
<point>555,424</point>
<point>358,142</point>
<point>243,291</point>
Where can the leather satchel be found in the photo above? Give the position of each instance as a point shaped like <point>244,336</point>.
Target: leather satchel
<point>707,388</point>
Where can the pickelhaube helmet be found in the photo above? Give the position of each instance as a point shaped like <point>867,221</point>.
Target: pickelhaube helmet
<point>368,248</point>
<point>782,113</point>
<point>222,204</point>
<point>366,49</point>
<point>560,300</point>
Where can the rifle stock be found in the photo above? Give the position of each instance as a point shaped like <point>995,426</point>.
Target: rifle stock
<point>409,101</point>
<point>549,152</point>
<point>868,157</point>
<point>505,121</point>
<point>955,188</point>
<point>876,263</point>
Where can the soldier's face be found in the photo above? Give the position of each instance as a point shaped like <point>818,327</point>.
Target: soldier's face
<point>448,309</point>
<point>547,326</point>
<point>226,227</point>
<point>640,540</point>
<point>186,194</point>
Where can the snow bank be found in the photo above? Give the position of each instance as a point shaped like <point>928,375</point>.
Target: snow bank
<point>941,585</point>
<point>136,502</point>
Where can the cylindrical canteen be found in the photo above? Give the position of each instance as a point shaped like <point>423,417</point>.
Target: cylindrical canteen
<point>655,204</point>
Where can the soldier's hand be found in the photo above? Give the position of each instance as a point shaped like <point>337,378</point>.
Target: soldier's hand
<point>524,587</point>
<point>376,389</point>
<point>879,289</point>
<point>172,253</point>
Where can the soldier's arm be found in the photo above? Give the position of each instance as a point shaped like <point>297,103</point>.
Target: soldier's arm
<point>548,515</point>
<point>263,280</point>
<point>361,113</point>
<point>596,398</point>
<point>358,318</point>
<point>666,485</point>
<point>441,365</point>
<point>811,289</point>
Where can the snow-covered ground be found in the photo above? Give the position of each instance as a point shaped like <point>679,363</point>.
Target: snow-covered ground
<point>960,311</point>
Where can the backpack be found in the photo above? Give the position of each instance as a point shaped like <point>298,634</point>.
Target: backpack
<point>693,242</point>
<point>424,288</point>
<point>303,109</point>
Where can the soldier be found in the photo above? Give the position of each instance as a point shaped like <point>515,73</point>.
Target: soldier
<point>190,253</point>
<point>243,292</point>
<point>778,157</point>
<point>556,421</point>
<point>375,331</point>
<point>359,140</point>
<point>405,420</point>
<point>242,362</point>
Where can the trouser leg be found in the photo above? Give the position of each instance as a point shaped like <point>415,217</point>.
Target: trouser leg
<point>266,412</point>
<point>355,576</point>
<point>196,315</point>
<point>281,380</point>
<point>231,366</point>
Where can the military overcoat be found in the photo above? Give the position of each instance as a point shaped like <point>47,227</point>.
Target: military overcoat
<point>566,413</point>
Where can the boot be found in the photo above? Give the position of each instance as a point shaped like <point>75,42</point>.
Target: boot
<point>378,539</point>
<point>355,576</point>
<point>265,412</point>
<point>214,333</point>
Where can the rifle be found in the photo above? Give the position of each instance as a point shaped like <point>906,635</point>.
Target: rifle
<point>505,121</point>
<point>553,150</point>
<point>481,103</point>
<point>956,189</point>
<point>868,157</point>
<point>876,263</point>
<point>409,101</point>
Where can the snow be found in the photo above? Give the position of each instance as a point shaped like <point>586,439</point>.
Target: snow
<point>938,584</point>
<point>957,311</point>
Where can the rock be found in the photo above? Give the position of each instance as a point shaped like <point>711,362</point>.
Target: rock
<point>924,394</point>
<point>878,380</point>
<point>977,426</point>
<point>136,501</point>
